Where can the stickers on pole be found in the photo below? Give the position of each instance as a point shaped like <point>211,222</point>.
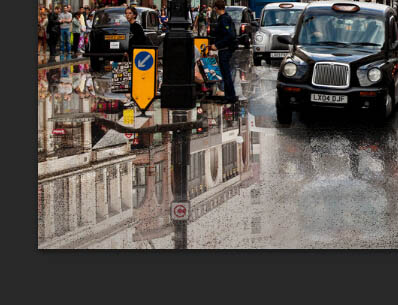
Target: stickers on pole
<point>201,45</point>
<point>144,76</point>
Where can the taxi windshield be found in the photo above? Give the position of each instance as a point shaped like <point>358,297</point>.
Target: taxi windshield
<point>110,19</point>
<point>279,17</point>
<point>342,29</point>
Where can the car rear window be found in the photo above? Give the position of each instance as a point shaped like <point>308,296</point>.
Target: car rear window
<point>236,14</point>
<point>110,19</point>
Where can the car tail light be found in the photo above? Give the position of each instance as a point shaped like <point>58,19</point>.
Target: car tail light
<point>242,75</point>
<point>208,30</point>
<point>242,28</point>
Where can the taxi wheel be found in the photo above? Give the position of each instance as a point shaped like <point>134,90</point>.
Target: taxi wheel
<point>283,113</point>
<point>385,109</point>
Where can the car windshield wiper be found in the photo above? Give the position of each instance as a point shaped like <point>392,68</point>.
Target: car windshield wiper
<point>276,24</point>
<point>332,43</point>
<point>366,44</point>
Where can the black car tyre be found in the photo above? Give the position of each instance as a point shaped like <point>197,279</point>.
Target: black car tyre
<point>283,113</point>
<point>385,109</point>
<point>257,61</point>
<point>95,63</point>
<point>247,44</point>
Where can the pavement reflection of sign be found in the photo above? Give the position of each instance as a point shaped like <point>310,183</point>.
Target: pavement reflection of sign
<point>180,210</point>
<point>144,77</point>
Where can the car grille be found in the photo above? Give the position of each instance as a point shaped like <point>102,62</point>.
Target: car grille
<point>276,45</point>
<point>335,75</point>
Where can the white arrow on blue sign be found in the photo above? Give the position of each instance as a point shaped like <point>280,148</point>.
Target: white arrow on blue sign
<point>144,61</point>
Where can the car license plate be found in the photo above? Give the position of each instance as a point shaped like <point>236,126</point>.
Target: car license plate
<point>114,45</point>
<point>115,37</point>
<point>278,55</point>
<point>332,99</point>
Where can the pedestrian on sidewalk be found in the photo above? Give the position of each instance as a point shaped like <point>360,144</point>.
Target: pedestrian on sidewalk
<point>225,44</point>
<point>65,18</point>
<point>42,33</point>
<point>76,30</point>
<point>53,30</point>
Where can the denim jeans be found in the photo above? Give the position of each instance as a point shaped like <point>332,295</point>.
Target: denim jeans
<point>224,57</point>
<point>65,39</point>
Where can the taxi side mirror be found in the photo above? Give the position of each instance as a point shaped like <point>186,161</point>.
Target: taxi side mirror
<point>285,39</point>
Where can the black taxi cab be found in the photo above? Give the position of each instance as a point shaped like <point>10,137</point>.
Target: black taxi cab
<point>109,36</point>
<point>343,55</point>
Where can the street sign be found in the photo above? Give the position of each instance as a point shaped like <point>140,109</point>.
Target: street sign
<point>59,131</point>
<point>144,76</point>
<point>128,135</point>
<point>180,210</point>
<point>128,116</point>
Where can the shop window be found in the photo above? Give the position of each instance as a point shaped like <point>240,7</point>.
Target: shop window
<point>139,184</point>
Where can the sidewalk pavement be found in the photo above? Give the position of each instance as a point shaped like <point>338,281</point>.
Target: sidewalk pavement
<point>44,61</point>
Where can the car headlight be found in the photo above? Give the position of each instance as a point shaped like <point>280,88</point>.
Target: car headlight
<point>289,69</point>
<point>374,75</point>
<point>259,38</point>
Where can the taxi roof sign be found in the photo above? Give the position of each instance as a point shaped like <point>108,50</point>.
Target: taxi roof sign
<point>345,7</point>
<point>144,76</point>
<point>286,5</point>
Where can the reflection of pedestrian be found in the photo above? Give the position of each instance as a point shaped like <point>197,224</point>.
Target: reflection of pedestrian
<point>163,19</point>
<point>225,43</point>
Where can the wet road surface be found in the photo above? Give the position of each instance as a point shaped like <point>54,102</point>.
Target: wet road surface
<point>328,180</point>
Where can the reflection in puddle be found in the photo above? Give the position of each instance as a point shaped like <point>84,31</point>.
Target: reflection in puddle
<point>97,191</point>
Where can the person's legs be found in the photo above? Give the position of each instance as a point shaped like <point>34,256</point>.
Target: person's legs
<point>67,40</point>
<point>76,37</point>
<point>62,40</point>
<point>224,58</point>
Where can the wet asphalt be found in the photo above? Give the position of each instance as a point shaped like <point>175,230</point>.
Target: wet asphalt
<point>328,180</point>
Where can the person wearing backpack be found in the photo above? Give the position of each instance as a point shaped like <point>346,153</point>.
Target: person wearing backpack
<point>225,43</point>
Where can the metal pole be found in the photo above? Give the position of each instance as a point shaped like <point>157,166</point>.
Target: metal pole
<point>180,149</point>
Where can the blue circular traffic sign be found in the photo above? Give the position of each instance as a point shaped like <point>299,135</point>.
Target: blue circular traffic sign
<point>143,61</point>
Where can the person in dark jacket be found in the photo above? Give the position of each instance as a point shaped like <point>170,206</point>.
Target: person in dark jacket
<point>137,36</point>
<point>53,31</point>
<point>225,44</point>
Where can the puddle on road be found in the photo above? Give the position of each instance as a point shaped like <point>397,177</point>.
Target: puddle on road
<point>243,171</point>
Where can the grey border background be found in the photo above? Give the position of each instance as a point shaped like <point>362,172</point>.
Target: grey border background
<point>20,171</point>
